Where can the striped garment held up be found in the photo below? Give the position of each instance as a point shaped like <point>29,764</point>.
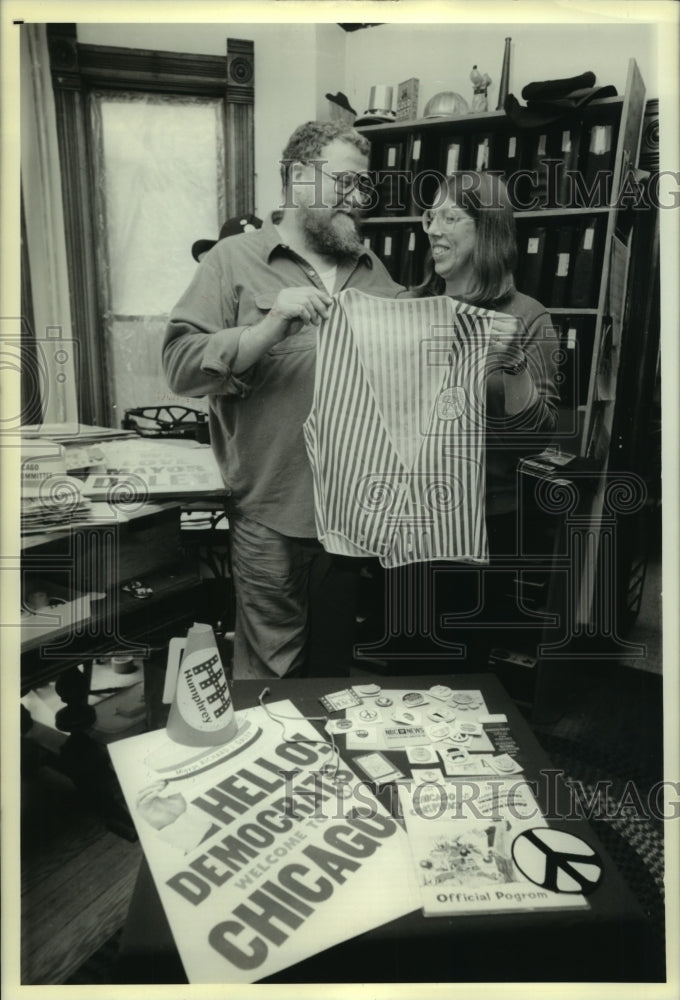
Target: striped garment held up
<point>395,436</point>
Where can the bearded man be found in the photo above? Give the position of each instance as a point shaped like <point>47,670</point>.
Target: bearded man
<point>244,334</point>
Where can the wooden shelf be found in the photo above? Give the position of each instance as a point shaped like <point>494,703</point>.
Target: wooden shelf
<point>540,213</point>
<point>476,122</point>
<point>567,311</point>
<point>136,619</point>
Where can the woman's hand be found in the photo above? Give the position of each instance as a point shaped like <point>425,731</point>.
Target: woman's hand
<point>505,351</point>
<point>506,354</point>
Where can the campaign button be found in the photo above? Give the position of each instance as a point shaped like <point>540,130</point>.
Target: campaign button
<point>441,691</point>
<point>366,690</point>
<point>368,715</point>
<point>459,737</point>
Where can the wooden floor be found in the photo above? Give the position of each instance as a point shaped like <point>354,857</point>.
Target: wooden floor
<point>76,878</point>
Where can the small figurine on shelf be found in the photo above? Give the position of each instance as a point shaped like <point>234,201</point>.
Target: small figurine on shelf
<point>480,84</point>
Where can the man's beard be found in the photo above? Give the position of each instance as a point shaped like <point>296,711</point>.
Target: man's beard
<point>326,238</point>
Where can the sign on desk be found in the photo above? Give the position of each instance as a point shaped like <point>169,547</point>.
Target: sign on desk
<point>265,850</point>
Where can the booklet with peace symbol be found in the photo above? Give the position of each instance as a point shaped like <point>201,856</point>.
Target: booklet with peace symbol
<point>484,846</point>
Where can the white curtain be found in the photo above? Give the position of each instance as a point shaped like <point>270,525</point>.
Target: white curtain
<point>41,182</point>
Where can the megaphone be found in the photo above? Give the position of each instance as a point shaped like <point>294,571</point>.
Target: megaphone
<point>202,711</point>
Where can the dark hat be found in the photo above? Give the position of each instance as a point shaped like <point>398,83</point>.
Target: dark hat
<point>341,100</point>
<point>550,100</point>
<point>232,227</point>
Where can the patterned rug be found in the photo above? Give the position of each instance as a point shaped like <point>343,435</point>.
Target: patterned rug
<point>614,733</point>
<point>634,842</point>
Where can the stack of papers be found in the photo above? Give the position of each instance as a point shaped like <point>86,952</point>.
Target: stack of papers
<point>60,505</point>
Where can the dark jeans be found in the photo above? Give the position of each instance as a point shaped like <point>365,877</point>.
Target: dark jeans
<point>295,604</point>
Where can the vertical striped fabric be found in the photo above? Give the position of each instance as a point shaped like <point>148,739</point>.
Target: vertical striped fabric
<point>396,432</point>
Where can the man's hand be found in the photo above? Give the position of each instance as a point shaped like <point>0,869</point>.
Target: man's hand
<point>310,305</point>
<point>293,308</point>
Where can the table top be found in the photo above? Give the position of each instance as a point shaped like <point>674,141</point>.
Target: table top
<point>608,941</point>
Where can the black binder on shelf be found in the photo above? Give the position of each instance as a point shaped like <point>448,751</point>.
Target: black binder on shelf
<point>532,259</point>
<point>568,155</point>
<point>389,240</point>
<point>539,147</point>
<point>597,159</point>
<point>453,154</point>
<point>561,245</point>
<point>369,239</point>
<point>576,345</point>
<point>391,188</point>
<point>482,152</point>
<point>506,155</point>
<point>587,269</point>
<point>413,251</point>
<point>413,164</point>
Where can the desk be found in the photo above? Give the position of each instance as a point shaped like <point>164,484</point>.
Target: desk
<point>608,942</point>
<point>99,558</point>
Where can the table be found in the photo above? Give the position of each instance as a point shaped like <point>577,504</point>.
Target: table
<point>608,942</point>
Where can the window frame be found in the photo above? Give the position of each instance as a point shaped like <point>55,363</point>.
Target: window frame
<point>77,69</point>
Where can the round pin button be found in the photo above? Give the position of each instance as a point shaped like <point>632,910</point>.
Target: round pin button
<point>413,698</point>
<point>459,738</point>
<point>440,691</point>
<point>368,715</point>
<point>463,697</point>
<point>344,724</point>
<point>503,765</point>
<point>383,702</point>
<point>368,689</point>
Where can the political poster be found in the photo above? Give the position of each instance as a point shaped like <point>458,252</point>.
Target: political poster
<point>264,850</point>
<point>142,469</point>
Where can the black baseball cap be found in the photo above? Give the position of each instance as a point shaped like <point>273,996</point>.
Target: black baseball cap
<point>232,227</point>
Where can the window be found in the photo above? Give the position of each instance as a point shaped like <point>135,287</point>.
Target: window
<point>159,184</point>
<point>156,150</point>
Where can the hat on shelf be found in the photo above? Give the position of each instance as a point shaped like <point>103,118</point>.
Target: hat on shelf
<point>341,100</point>
<point>232,227</point>
<point>550,100</point>
<point>379,107</point>
<point>446,103</point>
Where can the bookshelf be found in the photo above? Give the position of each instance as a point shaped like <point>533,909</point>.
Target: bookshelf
<point>572,246</point>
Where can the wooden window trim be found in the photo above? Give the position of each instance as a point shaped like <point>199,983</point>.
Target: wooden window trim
<point>78,69</point>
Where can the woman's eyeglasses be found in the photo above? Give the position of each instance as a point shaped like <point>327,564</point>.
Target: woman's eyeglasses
<point>446,218</point>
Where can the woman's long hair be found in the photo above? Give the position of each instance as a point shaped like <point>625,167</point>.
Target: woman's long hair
<point>484,198</point>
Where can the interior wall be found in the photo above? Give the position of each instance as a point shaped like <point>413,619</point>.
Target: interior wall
<point>441,56</point>
<point>295,66</point>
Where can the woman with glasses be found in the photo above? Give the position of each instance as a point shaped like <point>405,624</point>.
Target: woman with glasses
<point>472,257</point>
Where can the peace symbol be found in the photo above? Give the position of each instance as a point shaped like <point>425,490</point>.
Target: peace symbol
<point>558,861</point>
